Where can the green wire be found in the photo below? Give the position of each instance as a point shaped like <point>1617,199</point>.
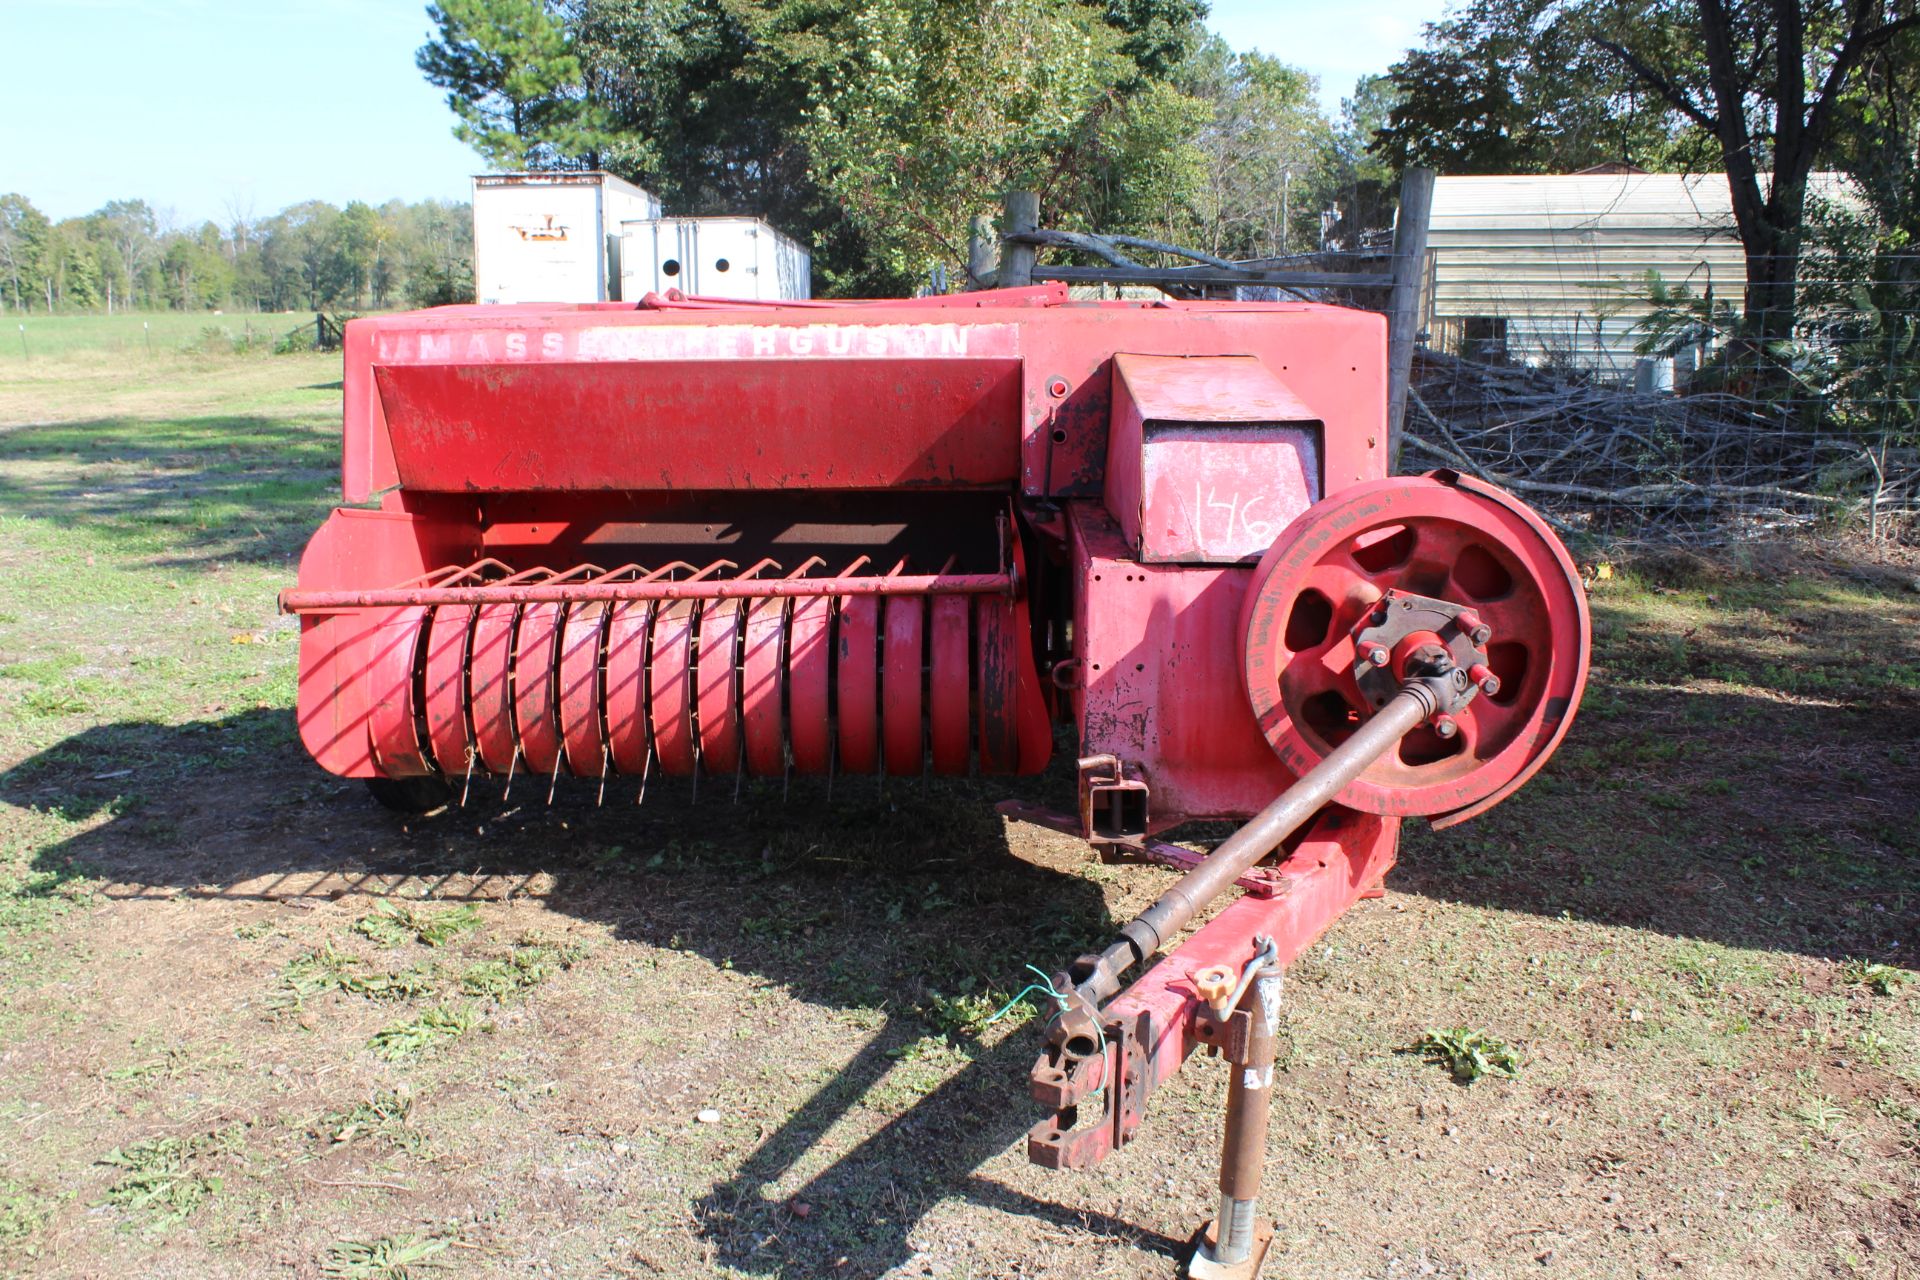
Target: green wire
<point>1060,999</point>
<point>1045,984</point>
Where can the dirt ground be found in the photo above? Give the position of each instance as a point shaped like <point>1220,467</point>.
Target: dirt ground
<point>252,1024</point>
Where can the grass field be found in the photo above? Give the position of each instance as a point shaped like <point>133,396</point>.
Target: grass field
<point>27,338</point>
<point>251,1025</point>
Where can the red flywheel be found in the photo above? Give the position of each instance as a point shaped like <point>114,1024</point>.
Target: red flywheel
<point>1439,536</point>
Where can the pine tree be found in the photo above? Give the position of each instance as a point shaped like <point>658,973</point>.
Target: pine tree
<point>515,82</point>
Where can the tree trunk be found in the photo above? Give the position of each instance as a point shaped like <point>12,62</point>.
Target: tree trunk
<point>1773,271</point>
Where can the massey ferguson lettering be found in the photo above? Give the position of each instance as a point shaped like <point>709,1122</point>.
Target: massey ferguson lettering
<point>701,342</point>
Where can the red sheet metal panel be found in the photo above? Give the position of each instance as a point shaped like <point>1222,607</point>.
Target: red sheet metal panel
<point>445,685</point>
<point>718,686</point>
<point>741,423</point>
<point>1161,685</point>
<point>809,679</point>
<point>1208,457</point>
<point>490,688</point>
<point>535,715</point>
<point>579,688</point>
<point>670,687</point>
<point>763,686</point>
<point>629,738</point>
<point>856,683</point>
<point>902,673</point>
<point>949,692</point>
<point>1333,359</point>
<point>843,396</point>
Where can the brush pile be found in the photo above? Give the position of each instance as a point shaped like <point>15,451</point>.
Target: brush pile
<point>1691,468</point>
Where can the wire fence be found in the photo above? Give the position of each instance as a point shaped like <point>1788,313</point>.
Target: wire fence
<point>1647,409</point>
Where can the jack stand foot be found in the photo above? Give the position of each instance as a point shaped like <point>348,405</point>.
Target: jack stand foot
<point>1202,1266</point>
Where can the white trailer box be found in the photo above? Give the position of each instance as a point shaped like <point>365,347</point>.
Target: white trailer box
<point>713,258</point>
<point>551,237</point>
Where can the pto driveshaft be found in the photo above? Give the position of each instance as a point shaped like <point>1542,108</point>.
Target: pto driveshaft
<point>1096,979</point>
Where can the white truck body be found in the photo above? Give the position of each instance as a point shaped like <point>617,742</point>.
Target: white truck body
<point>552,237</point>
<point>743,258</point>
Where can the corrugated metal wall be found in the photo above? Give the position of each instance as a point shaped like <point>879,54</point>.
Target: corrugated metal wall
<point>1552,265</point>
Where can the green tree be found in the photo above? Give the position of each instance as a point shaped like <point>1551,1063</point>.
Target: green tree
<point>1760,87</point>
<point>1263,146</point>
<point>357,240</point>
<point>435,244</point>
<point>1523,86</point>
<point>938,106</point>
<point>1355,185</point>
<point>516,84</point>
<point>1876,136</point>
<point>195,272</point>
<point>301,256</point>
<point>76,277</point>
<point>128,265</point>
<point>1150,177</point>
<point>1158,35</point>
<point>762,106</point>
<point>1768,80</point>
<point>24,234</point>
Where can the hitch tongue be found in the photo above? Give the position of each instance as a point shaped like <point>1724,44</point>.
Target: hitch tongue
<point>1090,1053</point>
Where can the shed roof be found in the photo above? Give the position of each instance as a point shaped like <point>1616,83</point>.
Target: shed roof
<point>1591,202</point>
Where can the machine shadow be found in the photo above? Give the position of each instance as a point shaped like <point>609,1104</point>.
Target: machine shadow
<point>1765,823</point>
<point>887,899</point>
<point>1713,815</point>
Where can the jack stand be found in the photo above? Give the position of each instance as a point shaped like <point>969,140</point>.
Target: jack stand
<point>1234,1246</point>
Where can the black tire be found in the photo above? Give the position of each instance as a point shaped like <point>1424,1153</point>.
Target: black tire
<point>410,795</point>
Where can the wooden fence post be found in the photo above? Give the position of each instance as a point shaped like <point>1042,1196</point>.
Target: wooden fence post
<point>1403,309</point>
<point>1022,213</point>
<point>983,253</point>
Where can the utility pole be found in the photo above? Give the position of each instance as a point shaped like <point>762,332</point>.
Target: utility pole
<point>1286,209</point>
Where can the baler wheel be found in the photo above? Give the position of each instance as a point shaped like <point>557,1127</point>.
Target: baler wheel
<point>1444,537</point>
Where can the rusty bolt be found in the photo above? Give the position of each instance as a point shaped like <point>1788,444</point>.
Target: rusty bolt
<point>1483,676</point>
<point>1472,627</point>
<point>1446,726</point>
<point>1375,653</point>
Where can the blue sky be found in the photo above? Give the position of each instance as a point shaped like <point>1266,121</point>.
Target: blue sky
<point>203,106</point>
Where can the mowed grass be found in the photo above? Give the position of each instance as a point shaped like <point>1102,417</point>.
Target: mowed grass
<point>134,335</point>
<point>140,556</point>
<point>250,1024</point>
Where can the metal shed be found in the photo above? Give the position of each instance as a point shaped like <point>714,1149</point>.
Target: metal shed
<point>1546,268</point>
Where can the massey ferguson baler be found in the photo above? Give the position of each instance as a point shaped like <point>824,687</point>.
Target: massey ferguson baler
<point>717,540</point>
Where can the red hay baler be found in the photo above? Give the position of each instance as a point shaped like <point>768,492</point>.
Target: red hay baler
<point>722,539</point>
